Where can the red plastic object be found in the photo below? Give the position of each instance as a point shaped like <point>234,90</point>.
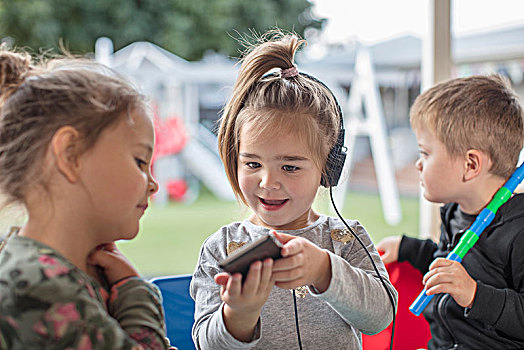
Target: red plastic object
<point>177,189</point>
<point>171,136</point>
<point>411,332</point>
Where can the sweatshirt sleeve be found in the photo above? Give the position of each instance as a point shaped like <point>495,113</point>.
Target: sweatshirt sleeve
<point>209,330</point>
<point>355,291</point>
<point>418,252</point>
<point>64,314</point>
<point>137,306</point>
<point>503,308</point>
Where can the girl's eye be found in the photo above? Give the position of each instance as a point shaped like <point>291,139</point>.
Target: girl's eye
<point>141,163</point>
<point>423,153</point>
<point>290,168</point>
<point>253,165</point>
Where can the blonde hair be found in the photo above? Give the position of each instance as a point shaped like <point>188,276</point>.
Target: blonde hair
<point>477,112</point>
<point>38,98</point>
<point>277,104</point>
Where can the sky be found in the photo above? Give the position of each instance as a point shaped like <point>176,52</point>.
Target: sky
<point>371,21</point>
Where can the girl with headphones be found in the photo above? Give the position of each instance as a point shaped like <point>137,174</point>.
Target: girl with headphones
<point>280,138</point>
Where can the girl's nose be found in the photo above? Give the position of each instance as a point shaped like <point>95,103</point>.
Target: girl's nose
<point>269,181</point>
<point>152,186</point>
<point>418,164</point>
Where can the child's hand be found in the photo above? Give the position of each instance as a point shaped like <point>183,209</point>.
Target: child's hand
<point>447,276</point>
<point>243,302</point>
<point>114,264</point>
<point>389,246</point>
<point>303,263</point>
<point>253,293</point>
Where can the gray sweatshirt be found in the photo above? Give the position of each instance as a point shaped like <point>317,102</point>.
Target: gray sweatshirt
<point>354,302</point>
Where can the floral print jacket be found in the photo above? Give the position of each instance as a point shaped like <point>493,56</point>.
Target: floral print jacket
<point>48,303</point>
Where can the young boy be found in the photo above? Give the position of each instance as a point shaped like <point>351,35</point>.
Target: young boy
<point>470,133</point>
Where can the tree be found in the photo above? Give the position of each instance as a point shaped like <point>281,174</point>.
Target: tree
<point>187,28</point>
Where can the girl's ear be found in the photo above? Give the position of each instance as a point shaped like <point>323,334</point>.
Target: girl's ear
<point>65,148</point>
<point>475,161</point>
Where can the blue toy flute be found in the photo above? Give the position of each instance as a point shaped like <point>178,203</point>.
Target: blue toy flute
<point>472,234</point>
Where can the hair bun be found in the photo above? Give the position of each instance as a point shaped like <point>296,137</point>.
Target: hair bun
<point>13,70</point>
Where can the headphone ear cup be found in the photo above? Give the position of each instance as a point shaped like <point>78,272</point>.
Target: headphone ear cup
<point>335,162</point>
<point>337,154</point>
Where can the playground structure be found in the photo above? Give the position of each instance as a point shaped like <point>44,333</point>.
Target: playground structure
<point>175,86</point>
<point>365,116</point>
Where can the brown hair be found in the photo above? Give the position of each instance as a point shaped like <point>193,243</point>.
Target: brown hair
<point>277,104</point>
<point>477,112</point>
<point>38,98</point>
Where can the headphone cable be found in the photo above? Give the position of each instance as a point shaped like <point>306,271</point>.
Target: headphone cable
<point>391,299</point>
<point>296,320</point>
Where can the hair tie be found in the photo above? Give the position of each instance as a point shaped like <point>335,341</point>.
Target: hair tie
<point>289,72</point>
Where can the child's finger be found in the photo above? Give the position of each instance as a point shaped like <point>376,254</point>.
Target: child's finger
<point>292,247</point>
<point>291,284</point>
<point>386,257</point>
<point>103,255</point>
<point>429,275</point>
<point>438,288</point>
<point>252,281</point>
<point>222,278</point>
<point>99,257</point>
<point>282,237</point>
<point>288,269</point>
<point>289,263</point>
<point>440,262</point>
<point>234,285</point>
<point>111,247</point>
<point>265,276</point>
<point>442,280</point>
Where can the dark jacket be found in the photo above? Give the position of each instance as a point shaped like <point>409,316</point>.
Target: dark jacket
<point>496,262</point>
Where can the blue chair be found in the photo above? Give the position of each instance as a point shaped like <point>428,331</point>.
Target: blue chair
<point>179,309</point>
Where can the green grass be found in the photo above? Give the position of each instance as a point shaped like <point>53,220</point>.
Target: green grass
<point>170,237</point>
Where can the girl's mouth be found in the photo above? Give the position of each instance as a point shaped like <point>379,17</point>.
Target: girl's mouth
<point>272,204</point>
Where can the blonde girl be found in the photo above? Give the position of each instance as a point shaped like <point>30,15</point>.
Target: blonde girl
<point>275,136</point>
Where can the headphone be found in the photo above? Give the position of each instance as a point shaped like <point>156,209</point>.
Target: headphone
<point>337,155</point>
<point>336,158</point>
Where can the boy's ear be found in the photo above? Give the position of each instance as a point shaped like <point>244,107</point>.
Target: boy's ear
<point>65,148</point>
<point>474,164</point>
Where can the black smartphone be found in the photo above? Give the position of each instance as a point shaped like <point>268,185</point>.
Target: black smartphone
<point>267,246</point>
